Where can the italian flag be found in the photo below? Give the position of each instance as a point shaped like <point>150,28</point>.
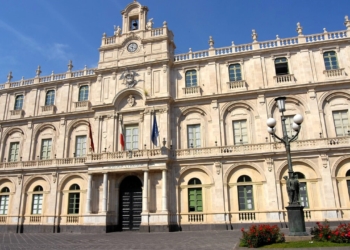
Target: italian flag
<point>121,136</point>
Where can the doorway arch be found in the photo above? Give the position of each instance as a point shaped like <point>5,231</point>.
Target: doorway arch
<point>130,203</point>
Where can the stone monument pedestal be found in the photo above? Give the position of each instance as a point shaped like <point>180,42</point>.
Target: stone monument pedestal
<point>296,220</point>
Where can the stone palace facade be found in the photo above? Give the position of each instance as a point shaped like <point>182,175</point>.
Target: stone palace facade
<point>213,165</point>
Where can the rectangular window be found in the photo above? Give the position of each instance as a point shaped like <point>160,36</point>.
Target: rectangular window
<point>46,149</point>
<point>195,201</point>
<point>131,137</point>
<point>14,150</point>
<point>235,72</point>
<point>80,146</point>
<point>194,136</point>
<point>240,134</point>
<point>341,122</point>
<point>330,60</point>
<point>289,122</point>
<point>73,203</point>
<point>304,200</point>
<point>191,78</point>
<point>245,197</point>
<point>37,203</point>
<point>4,204</point>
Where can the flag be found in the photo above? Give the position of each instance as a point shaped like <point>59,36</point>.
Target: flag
<point>155,133</point>
<point>121,136</point>
<point>92,146</point>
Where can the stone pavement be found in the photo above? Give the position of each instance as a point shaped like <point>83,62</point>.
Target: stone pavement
<point>202,240</point>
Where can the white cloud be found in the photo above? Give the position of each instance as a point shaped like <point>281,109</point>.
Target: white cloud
<point>53,51</point>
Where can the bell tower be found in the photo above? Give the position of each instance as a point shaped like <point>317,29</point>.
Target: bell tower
<point>134,17</point>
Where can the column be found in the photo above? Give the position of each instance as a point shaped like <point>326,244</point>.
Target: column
<point>164,191</point>
<point>105,192</point>
<point>88,195</point>
<point>145,192</point>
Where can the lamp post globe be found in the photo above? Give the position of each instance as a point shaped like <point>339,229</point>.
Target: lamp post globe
<point>271,130</point>
<point>295,127</point>
<point>271,122</point>
<point>298,119</point>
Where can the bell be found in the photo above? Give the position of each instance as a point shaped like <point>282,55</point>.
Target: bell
<point>134,25</point>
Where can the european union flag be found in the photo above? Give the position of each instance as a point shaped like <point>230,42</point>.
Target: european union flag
<point>155,133</point>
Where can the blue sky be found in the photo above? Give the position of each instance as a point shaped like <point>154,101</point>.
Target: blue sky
<point>51,32</point>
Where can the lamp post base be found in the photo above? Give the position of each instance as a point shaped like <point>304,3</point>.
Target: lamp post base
<point>296,220</point>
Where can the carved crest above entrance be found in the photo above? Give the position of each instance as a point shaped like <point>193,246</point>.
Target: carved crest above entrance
<point>129,78</point>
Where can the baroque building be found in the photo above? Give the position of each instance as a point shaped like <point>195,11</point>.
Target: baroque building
<point>80,151</point>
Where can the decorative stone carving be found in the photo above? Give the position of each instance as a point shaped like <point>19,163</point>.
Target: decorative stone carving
<point>114,75</point>
<point>347,22</point>
<point>117,30</point>
<point>165,68</point>
<point>211,42</point>
<point>269,163</point>
<point>99,78</point>
<point>131,100</point>
<point>54,177</point>
<point>324,160</point>
<point>149,70</point>
<point>19,179</point>
<point>149,24</point>
<point>70,66</point>
<point>254,36</point>
<point>129,78</point>
<point>217,166</point>
<point>38,71</point>
<point>299,29</point>
<point>9,76</point>
<point>141,116</point>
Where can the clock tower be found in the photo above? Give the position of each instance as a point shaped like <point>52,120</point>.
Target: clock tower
<point>137,46</point>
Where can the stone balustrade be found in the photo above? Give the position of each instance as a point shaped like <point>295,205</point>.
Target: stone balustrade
<point>50,78</point>
<point>278,42</point>
<point>237,85</point>
<point>232,150</point>
<point>196,90</point>
<point>281,79</point>
<point>334,73</point>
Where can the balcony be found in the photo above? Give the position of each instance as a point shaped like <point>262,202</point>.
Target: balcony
<point>192,91</point>
<point>164,153</point>
<point>334,73</point>
<point>48,110</point>
<point>284,79</point>
<point>16,114</point>
<point>82,105</point>
<point>237,86</point>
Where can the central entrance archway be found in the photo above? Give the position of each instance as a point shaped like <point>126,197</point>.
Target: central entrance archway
<point>130,203</point>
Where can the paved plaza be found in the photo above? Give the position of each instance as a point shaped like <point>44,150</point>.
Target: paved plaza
<point>203,240</point>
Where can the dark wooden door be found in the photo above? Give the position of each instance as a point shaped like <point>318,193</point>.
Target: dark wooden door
<point>130,203</point>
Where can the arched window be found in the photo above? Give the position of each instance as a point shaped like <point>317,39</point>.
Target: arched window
<point>330,60</point>
<point>194,181</point>
<point>18,102</point>
<point>4,200</point>
<point>281,66</point>
<point>341,122</point>
<point>234,72</point>
<point>195,199</point>
<point>50,98</point>
<point>83,93</point>
<point>191,78</point>
<point>74,187</point>
<point>74,199</point>
<point>37,203</point>
<point>303,197</point>
<point>245,193</point>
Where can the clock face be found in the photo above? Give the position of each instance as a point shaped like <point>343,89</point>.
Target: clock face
<point>132,47</point>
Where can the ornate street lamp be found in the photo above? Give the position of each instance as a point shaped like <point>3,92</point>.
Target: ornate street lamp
<point>295,210</point>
